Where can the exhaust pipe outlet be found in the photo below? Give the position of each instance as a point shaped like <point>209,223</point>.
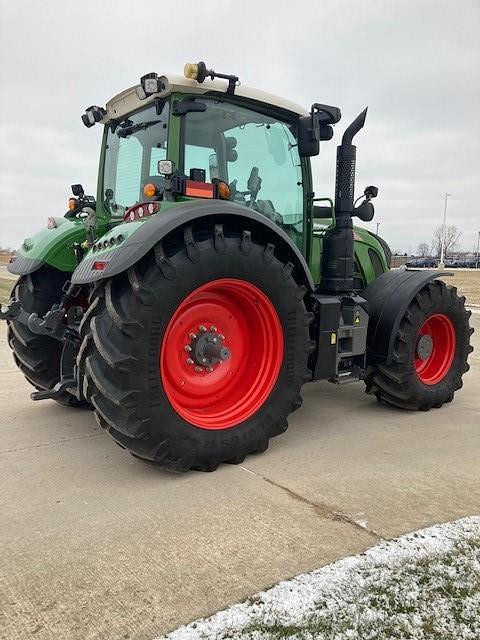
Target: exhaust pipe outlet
<point>345,171</point>
<point>338,253</point>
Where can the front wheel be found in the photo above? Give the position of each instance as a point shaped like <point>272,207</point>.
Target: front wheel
<point>196,355</point>
<point>39,356</point>
<point>430,352</point>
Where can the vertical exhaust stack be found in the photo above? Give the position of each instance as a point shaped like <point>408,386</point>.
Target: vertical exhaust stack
<point>337,259</point>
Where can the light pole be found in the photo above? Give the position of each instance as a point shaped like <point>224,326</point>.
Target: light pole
<point>378,224</point>
<point>442,251</point>
<point>478,251</point>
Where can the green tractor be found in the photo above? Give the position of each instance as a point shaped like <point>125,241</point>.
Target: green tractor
<point>205,284</point>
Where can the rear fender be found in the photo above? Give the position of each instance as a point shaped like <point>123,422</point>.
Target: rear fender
<point>388,298</point>
<point>121,249</point>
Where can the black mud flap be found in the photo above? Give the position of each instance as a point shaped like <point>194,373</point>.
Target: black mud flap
<point>388,298</point>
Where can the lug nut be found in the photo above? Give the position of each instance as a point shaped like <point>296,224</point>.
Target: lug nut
<point>202,328</point>
<point>213,328</point>
<point>192,336</point>
<point>198,369</point>
<point>187,347</point>
<point>221,336</point>
<point>210,369</point>
<point>189,361</point>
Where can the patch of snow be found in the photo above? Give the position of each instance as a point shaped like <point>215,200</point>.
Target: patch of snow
<point>421,585</point>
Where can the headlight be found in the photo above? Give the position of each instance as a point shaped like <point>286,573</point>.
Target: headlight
<point>165,167</point>
<point>149,83</point>
<point>92,115</point>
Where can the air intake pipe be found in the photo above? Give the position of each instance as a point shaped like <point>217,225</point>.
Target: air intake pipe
<point>338,254</point>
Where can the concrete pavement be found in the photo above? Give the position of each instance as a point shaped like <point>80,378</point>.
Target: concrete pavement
<point>95,544</point>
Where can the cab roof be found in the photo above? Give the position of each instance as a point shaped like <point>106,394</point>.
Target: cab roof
<point>127,101</point>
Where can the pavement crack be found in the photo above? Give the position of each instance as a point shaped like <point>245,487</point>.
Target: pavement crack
<point>321,509</point>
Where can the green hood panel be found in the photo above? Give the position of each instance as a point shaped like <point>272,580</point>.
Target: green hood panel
<point>54,246</point>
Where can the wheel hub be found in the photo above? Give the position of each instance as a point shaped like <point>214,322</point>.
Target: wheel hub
<point>206,349</point>
<point>424,347</point>
<point>435,348</point>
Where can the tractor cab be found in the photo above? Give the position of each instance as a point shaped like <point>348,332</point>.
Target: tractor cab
<point>225,149</point>
<point>170,139</point>
<point>239,146</point>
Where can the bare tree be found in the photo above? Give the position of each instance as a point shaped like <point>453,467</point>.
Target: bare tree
<point>423,249</point>
<point>451,238</point>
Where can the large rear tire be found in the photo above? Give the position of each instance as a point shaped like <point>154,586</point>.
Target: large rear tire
<point>157,390</point>
<point>430,352</point>
<point>38,357</point>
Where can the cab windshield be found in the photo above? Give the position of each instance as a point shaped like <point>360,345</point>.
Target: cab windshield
<point>133,148</point>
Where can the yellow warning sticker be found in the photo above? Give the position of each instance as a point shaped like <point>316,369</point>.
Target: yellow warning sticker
<point>333,338</point>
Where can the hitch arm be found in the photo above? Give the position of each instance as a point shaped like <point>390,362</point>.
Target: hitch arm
<point>52,322</point>
<point>50,325</point>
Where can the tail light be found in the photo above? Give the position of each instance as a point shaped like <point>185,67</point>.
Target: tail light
<point>140,211</point>
<point>99,265</point>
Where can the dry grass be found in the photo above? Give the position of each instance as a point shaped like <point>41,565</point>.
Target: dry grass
<point>468,284</point>
<point>5,288</point>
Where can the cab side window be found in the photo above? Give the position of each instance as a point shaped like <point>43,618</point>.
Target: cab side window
<point>269,150</point>
<point>255,154</point>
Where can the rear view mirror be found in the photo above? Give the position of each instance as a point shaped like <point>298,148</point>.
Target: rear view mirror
<point>77,190</point>
<point>230,152</point>
<point>316,127</point>
<point>365,211</point>
<point>308,137</point>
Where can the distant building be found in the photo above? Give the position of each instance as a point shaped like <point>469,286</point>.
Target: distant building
<point>398,260</point>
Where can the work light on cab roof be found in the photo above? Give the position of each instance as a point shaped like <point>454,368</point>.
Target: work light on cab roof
<point>192,297</point>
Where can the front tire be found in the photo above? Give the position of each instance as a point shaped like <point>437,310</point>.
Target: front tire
<point>152,384</point>
<point>430,352</point>
<point>38,356</point>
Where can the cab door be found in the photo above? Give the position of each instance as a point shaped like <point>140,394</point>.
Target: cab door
<point>256,154</point>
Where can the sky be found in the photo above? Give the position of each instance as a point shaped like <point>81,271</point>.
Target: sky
<point>416,64</point>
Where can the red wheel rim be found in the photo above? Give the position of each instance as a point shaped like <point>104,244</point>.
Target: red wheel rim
<point>230,391</point>
<point>435,366</point>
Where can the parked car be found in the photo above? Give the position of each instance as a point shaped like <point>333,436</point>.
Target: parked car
<point>422,263</point>
<point>460,264</point>
<point>470,263</point>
